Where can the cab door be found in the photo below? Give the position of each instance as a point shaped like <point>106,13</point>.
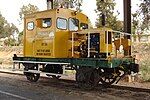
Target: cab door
<point>29,34</point>
<point>43,41</point>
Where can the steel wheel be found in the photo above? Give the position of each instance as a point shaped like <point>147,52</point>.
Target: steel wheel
<point>32,77</point>
<point>86,78</point>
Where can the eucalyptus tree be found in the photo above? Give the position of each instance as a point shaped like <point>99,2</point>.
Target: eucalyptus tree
<point>144,13</point>
<point>68,4</point>
<point>27,9</point>
<point>107,7</point>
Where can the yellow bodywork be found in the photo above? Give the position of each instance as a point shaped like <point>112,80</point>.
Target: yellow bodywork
<point>45,38</point>
<point>49,42</point>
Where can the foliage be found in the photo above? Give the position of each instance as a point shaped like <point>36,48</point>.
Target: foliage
<point>145,12</point>
<point>141,18</point>
<point>24,10</point>
<point>106,7</point>
<point>6,29</point>
<point>145,62</point>
<point>20,40</point>
<point>145,70</point>
<point>29,9</point>
<point>68,4</point>
<point>135,22</point>
<point>2,23</point>
<point>143,56</point>
<point>10,42</point>
<point>78,4</point>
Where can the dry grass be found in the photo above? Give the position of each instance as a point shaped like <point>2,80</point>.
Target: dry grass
<point>7,52</point>
<point>143,51</point>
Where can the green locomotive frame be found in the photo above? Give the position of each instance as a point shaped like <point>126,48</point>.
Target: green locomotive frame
<point>89,62</point>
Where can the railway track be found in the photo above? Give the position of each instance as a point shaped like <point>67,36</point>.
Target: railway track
<point>135,89</point>
<point>72,84</point>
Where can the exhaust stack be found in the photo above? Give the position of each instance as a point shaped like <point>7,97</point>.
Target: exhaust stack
<point>49,4</point>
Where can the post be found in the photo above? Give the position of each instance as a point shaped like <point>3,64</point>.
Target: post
<point>72,44</point>
<point>127,21</point>
<point>107,43</point>
<point>88,44</point>
<point>127,26</point>
<point>127,17</point>
<point>13,66</point>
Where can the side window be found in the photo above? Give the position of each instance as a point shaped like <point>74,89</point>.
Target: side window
<point>83,26</point>
<point>30,26</point>
<point>73,24</point>
<point>46,23</point>
<point>109,37</point>
<point>62,23</point>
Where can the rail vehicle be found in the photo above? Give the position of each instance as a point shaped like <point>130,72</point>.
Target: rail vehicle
<point>60,39</point>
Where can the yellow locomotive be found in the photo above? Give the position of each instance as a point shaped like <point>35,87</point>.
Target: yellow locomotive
<point>55,34</point>
<point>60,39</point>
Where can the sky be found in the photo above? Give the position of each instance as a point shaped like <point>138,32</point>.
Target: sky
<point>10,9</point>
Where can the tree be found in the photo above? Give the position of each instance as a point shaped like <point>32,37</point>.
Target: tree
<point>135,26</point>
<point>144,11</point>
<point>29,9</point>
<point>24,10</point>
<point>141,19</point>
<point>2,23</point>
<point>135,22</point>
<point>78,4</point>
<point>68,4</point>
<point>20,40</point>
<point>6,29</point>
<point>106,7</point>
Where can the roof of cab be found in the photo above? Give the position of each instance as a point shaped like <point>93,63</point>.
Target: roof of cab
<point>51,10</point>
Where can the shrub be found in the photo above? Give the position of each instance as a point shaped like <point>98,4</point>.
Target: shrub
<point>143,50</point>
<point>145,71</point>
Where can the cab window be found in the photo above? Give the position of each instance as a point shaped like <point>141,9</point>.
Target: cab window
<point>83,26</point>
<point>62,23</point>
<point>44,22</point>
<point>47,22</point>
<point>73,24</point>
<point>30,26</point>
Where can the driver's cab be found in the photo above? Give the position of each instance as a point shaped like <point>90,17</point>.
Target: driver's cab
<point>47,33</point>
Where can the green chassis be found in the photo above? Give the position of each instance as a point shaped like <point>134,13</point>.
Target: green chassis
<point>89,62</point>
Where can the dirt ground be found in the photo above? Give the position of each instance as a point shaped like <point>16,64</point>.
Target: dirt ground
<point>48,89</point>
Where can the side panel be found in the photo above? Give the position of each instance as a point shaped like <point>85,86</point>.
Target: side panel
<point>104,47</point>
<point>61,44</point>
<point>29,37</point>
<point>43,48</point>
<point>39,42</point>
